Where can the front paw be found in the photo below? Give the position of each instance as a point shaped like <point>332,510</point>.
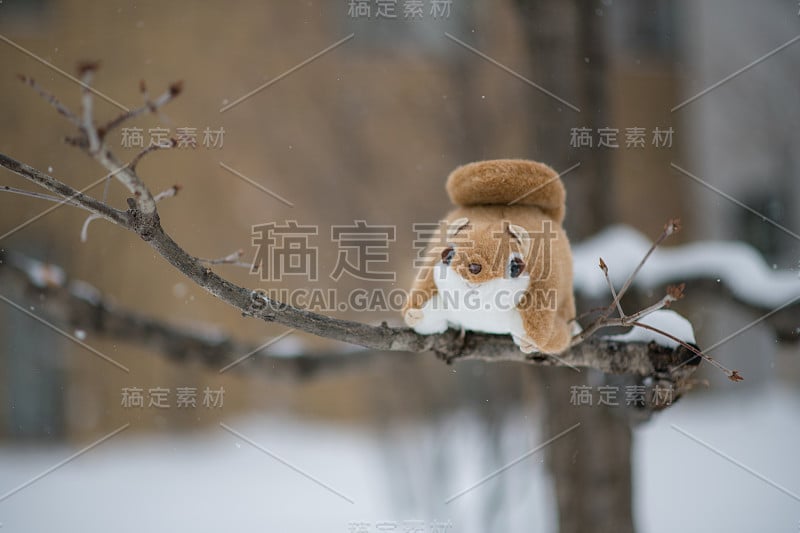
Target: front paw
<point>413,317</point>
<point>525,343</point>
<point>425,322</point>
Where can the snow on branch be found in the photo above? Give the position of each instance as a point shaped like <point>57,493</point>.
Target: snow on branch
<point>736,265</point>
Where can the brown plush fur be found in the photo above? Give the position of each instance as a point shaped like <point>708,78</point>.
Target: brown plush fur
<point>483,191</point>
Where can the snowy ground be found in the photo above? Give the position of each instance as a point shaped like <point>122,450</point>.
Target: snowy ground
<point>217,481</point>
<point>684,486</point>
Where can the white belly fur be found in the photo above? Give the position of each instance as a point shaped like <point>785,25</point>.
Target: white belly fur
<point>489,307</point>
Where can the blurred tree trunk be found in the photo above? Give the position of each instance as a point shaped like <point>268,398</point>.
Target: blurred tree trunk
<point>590,466</point>
<point>567,50</point>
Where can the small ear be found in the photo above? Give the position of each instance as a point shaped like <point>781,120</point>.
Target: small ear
<point>456,225</point>
<point>522,236</point>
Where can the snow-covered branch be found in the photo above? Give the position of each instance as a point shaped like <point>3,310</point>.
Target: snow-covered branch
<point>736,265</point>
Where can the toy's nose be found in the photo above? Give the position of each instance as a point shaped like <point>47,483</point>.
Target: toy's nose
<point>475,268</point>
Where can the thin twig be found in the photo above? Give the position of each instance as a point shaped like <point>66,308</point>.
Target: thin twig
<point>672,226</point>
<point>148,107</point>
<point>52,100</point>
<point>150,149</point>
<point>733,375</point>
<point>168,193</point>
<point>31,194</point>
<point>87,107</point>
<point>624,320</point>
<point>85,227</point>
<point>68,194</point>
<point>233,258</point>
<point>604,268</point>
<point>662,303</point>
<point>588,312</point>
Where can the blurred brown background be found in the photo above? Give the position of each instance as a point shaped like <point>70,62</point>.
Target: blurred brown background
<point>368,131</point>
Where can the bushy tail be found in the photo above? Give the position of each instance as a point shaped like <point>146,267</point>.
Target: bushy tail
<point>508,182</point>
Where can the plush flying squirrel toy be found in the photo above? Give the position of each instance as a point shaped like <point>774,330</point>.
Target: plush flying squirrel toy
<point>501,261</point>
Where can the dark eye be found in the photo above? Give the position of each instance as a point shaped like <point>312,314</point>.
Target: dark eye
<point>447,255</point>
<point>515,267</point>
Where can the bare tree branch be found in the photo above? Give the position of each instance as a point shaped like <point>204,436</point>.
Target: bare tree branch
<point>67,194</point>
<point>78,305</point>
<point>142,218</point>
